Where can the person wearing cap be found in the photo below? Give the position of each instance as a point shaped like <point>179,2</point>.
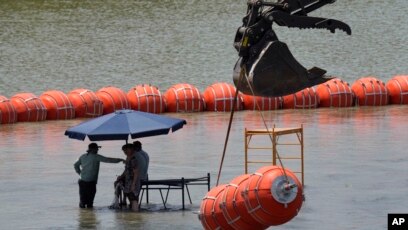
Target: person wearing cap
<point>87,167</point>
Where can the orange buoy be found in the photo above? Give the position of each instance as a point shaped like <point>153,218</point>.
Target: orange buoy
<point>219,97</point>
<point>398,89</point>
<point>113,99</point>
<point>146,98</point>
<point>184,98</point>
<point>86,103</point>
<point>304,99</point>
<point>58,105</point>
<point>211,216</point>
<point>335,93</point>
<point>264,103</point>
<point>233,206</point>
<point>270,198</point>
<point>8,113</point>
<point>369,91</point>
<point>29,107</point>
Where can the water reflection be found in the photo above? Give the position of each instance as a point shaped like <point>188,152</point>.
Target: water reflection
<point>130,219</point>
<point>328,116</point>
<point>87,219</point>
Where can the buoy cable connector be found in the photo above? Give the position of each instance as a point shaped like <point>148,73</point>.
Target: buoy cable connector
<point>287,187</point>
<point>284,190</point>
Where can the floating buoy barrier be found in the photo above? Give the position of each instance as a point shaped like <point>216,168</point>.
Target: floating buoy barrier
<point>398,89</point>
<point>233,206</point>
<point>85,103</point>
<point>184,98</point>
<point>58,105</point>
<point>335,93</point>
<point>270,196</point>
<point>8,113</point>
<point>261,103</point>
<point>28,107</point>
<point>219,97</point>
<point>211,216</point>
<point>146,98</point>
<point>304,99</point>
<point>369,91</point>
<point>187,98</point>
<point>113,99</point>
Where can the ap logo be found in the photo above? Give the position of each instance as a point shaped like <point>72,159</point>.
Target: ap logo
<point>397,221</point>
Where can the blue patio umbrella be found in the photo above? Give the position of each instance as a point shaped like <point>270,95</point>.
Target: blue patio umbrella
<point>121,124</point>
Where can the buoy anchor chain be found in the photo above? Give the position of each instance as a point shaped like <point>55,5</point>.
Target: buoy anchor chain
<point>284,190</point>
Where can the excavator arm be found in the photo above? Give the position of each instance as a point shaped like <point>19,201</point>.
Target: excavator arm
<point>266,67</point>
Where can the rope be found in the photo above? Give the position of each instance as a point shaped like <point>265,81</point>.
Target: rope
<point>260,111</point>
<point>243,69</point>
<point>267,128</point>
<point>230,124</point>
<point>242,73</point>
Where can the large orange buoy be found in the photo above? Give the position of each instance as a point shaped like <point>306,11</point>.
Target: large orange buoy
<point>262,103</point>
<point>211,216</point>
<point>335,93</point>
<point>58,105</point>
<point>113,99</point>
<point>8,113</point>
<point>184,98</point>
<point>29,107</point>
<point>233,206</point>
<point>219,97</point>
<point>370,91</point>
<point>272,198</point>
<point>86,103</point>
<point>146,98</point>
<point>398,89</point>
<point>304,99</point>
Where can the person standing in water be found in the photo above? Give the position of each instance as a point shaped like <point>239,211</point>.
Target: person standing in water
<point>87,167</point>
<point>131,177</point>
<point>142,158</point>
<point>137,163</point>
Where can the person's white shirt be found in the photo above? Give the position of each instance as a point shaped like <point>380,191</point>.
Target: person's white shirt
<point>143,163</point>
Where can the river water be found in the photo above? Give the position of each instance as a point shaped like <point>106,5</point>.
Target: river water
<point>356,166</point>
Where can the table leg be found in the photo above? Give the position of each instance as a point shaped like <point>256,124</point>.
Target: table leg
<point>208,181</point>
<point>182,192</point>
<point>141,197</point>
<point>164,202</point>
<point>147,188</point>
<point>167,193</point>
<point>188,193</point>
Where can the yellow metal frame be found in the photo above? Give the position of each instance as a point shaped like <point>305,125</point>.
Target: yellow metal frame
<point>275,133</point>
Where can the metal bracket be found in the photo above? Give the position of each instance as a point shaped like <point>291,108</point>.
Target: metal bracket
<point>284,190</point>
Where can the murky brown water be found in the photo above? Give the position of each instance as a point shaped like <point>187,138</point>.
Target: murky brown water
<point>356,162</point>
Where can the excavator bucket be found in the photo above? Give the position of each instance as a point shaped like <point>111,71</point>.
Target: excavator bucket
<point>275,72</point>
<point>266,67</point>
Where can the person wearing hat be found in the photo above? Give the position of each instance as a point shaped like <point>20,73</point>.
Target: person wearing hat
<point>87,167</point>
